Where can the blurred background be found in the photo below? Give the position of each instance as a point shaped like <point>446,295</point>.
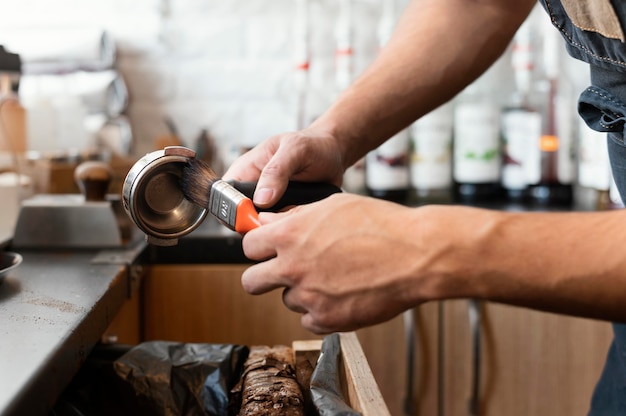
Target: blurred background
<point>146,69</point>
<point>116,80</point>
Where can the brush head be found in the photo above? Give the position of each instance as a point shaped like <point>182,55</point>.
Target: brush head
<point>196,182</point>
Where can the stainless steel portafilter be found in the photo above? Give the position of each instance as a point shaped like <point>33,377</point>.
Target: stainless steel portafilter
<point>154,200</point>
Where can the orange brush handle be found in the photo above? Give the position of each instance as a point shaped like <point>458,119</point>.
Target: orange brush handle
<point>247,217</point>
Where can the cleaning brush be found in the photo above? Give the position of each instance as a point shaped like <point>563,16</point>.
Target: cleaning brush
<point>231,201</point>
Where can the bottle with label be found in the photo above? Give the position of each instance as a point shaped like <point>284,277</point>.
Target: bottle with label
<point>387,169</point>
<point>431,156</point>
<point>13,133</point>
<point>520,121</point>
<point>476,145</point>
<point>552,182</point>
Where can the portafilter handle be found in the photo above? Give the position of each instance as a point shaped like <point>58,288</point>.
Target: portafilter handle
<point>93,179</point>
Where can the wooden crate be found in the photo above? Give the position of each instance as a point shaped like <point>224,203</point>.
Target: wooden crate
<point>357,381</point>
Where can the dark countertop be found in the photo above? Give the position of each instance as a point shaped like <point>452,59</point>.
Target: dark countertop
<point>55,306</point>
<point>53,309</point>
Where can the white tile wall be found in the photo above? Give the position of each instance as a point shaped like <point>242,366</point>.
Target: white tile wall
<point>223,65</point>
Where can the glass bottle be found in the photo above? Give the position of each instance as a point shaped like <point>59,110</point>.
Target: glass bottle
<point>13,134</point>
<point>551,184</point>
<point>476,145</point>
<point>387,169</point>
<point>520,121</point>
<point>431,155</point>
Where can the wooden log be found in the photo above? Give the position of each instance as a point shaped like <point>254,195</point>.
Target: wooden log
<point>269,385</point>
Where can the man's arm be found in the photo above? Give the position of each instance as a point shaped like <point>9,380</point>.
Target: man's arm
<point>350,261</point>
<point>570,263</point>
<point>438,47</point>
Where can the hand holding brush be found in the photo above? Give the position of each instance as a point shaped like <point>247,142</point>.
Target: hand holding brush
<point>231,201</point>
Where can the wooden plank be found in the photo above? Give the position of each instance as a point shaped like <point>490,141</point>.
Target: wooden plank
<point>363,393</point>
<point>360,388</point>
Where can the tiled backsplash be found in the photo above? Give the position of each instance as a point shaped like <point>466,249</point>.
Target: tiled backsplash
<point>223,65</point>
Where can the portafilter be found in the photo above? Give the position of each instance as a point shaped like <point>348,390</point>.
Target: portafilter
<point>154,200</point>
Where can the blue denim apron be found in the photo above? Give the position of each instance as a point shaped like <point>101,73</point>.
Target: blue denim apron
<point>603,107</point>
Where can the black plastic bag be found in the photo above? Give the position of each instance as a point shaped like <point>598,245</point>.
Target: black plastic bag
<point>183,379</point>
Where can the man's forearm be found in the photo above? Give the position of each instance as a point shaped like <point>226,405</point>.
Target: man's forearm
<point>438,47</point>
<point>568,263</point>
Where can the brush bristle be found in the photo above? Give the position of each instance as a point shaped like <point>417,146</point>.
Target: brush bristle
<point>196,182</point>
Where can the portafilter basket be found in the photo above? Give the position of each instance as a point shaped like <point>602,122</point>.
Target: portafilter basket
<point>154,200</point>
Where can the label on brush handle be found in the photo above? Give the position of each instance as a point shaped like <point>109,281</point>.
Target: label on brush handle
<point>223,202</point>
